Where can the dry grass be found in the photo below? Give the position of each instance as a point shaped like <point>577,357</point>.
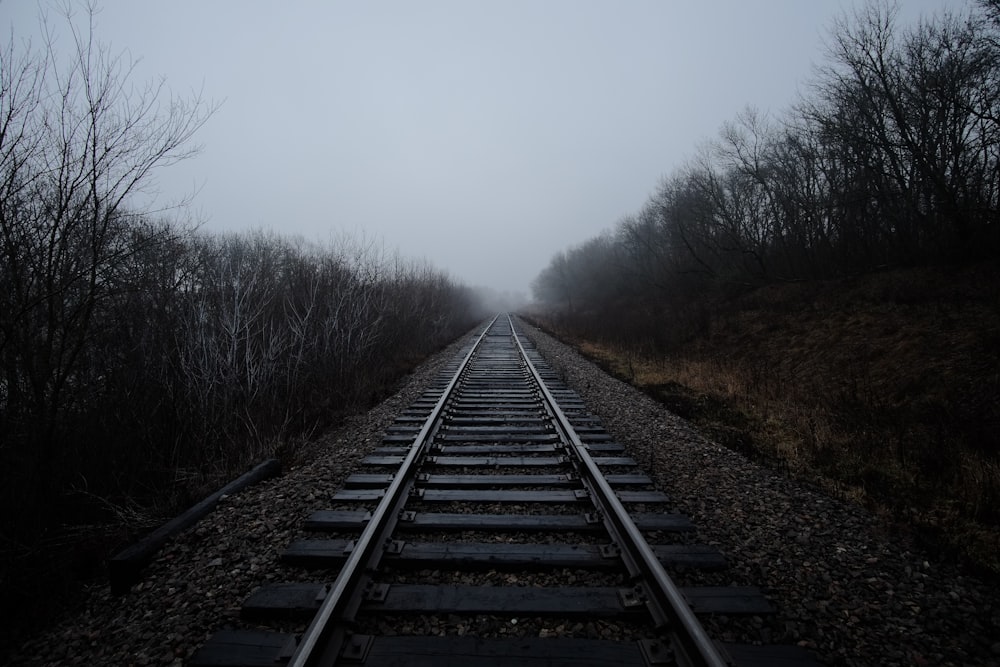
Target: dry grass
<point>884,389</point>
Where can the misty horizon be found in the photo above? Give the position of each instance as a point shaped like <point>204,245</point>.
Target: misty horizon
<point>480,138</point>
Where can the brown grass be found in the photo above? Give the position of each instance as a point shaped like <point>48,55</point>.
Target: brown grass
<point>884,389</point>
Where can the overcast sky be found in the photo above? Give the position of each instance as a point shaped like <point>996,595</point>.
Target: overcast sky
<point>481,136</point>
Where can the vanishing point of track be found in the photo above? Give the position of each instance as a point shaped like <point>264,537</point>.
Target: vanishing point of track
<point>498,467</point>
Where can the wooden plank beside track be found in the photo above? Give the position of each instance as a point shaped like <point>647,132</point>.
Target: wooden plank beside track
<point>124,568</point>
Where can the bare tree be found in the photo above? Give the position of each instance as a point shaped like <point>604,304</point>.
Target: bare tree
<point>915,114</point>
<point>78,139</point>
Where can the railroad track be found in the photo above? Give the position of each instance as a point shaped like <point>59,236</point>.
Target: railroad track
<point>489,529</point>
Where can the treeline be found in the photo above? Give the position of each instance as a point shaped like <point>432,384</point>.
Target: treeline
<point>139,358</point>
<point>891,159</point>
<point>192,355</point>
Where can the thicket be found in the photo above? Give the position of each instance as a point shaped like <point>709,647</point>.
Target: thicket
<point>142,361</point>
<point>892,158</point>
<point>885,173</point>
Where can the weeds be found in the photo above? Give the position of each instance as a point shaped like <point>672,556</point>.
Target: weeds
<point>883,390</point>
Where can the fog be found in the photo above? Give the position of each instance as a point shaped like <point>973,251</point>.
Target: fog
<point>482,137</point>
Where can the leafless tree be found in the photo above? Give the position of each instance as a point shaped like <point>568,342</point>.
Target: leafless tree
<point>892,159</point>
<point>78,139</point>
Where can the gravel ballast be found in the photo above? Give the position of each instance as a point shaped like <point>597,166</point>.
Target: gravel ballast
<point>844,588</point>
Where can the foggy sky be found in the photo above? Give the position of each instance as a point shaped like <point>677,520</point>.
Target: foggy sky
<point>480,136</point>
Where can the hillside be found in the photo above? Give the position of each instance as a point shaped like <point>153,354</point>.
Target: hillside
<point>883,388</point>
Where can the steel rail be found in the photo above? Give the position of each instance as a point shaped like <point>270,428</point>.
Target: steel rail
<point>313,647</point>
<point>667,601</point>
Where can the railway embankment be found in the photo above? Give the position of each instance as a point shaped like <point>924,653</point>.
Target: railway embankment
<point>882,388</point>
<point>844,586</point>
